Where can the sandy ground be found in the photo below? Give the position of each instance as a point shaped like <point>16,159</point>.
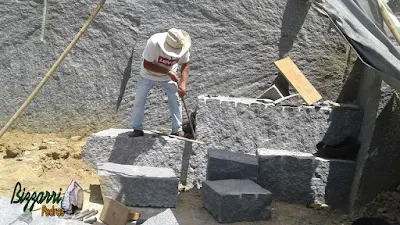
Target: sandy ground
<point>51,161</point>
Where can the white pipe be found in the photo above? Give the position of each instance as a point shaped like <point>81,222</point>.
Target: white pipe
<point>44,20</point>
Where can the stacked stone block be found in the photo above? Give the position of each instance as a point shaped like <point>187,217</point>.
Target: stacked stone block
<point>138,185</point>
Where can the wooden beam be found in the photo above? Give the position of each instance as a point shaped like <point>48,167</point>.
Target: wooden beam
<point>297,79</point>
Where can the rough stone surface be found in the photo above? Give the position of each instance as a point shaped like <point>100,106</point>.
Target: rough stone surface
<point>13,213</point>
<point>43,220</point>
<point>224,123</point>
<point>236,200</point>
<point>224,165</point>
<point>381,170</point>
<point>246,39</point>
<point>138,185</point>
<point>301,178</point>
<point>384,206</point>
<point>114,145</point>
<point>272,93</point>
<point>166,218</point>
<point>244,124</point>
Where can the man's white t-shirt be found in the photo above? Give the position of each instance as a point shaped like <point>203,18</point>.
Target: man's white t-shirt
<point>154,54</point>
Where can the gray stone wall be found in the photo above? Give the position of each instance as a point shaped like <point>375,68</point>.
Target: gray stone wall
<point>234,46</point>
<point>244,125</point>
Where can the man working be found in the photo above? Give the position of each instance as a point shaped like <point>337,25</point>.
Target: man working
<point>161,57</point>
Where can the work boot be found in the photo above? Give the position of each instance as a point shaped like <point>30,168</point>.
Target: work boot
<point>136,133</point>
<point>179,133</point>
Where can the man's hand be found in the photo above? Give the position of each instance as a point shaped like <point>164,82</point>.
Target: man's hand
<point>173,76</point>
<point>181,90</point>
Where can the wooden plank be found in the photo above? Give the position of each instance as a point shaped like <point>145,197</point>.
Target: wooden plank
<point>297,79</point>
<point>114,212</point>
<point>177,137</point>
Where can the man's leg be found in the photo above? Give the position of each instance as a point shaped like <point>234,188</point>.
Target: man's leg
<point>175,106</point>
<point>142,90</point>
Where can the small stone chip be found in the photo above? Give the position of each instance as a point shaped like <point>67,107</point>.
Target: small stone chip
<point>382,210</point>
<point>76,156</point>
<point>318,206</point>
<point>76,138</point>
<point>12,153</point>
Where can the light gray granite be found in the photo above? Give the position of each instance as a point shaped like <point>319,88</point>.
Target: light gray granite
<point>137,185</point>
<point>236,200</point>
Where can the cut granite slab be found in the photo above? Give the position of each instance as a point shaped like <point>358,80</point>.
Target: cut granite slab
<point>114,145</point>
<point>236,200</point>
<point>13,213</point>
<point>272,93</point>
<point>138,185</point>
<point>301,178</point>
<point>224,165</point>
<point>165,218</point>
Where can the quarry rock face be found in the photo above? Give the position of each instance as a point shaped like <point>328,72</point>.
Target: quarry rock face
<point>234,45</point>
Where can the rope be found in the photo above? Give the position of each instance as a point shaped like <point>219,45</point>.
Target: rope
<point>52,69</point>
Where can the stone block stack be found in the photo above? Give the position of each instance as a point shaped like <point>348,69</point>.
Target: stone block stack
<point>240,187</point>
<point>230,192</point>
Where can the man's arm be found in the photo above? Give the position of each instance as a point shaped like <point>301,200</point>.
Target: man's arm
<point>158,69</point>
<point>184,79</point>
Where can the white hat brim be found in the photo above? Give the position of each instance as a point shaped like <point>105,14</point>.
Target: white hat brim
<point>173,52</point>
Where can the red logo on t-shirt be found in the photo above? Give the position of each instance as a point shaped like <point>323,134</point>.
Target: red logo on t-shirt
<point>166,61</point>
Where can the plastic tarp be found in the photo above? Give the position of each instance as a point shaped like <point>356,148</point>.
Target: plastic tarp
<point>361,24</point>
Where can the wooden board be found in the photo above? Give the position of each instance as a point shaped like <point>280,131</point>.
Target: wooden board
<point>297,79</point>
<point>177,137</point>
<point>115,213</point>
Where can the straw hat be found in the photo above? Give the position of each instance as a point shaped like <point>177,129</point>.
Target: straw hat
<point>174,42</point>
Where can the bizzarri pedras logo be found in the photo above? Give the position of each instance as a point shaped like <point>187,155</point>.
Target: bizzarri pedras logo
<point>20,196</point>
